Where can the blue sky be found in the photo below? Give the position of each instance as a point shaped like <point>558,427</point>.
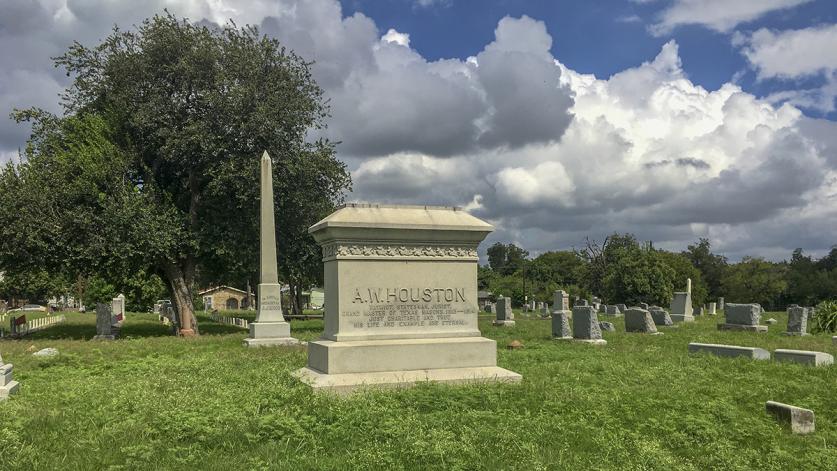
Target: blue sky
<point>601,37</point>
<point>555,121</point>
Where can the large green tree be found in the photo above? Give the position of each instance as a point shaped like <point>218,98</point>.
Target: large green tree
<point>173,118</point>
<point>755,280</point>
<point>712,267</point>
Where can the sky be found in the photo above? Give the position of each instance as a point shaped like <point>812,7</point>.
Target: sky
<point>553,120</point>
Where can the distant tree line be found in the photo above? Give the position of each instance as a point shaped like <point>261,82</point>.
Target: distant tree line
<point>621,269</point>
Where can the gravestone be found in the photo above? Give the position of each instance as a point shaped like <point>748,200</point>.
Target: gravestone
<point>580,302</point>
<point>742,317</point>
<point>797,321</point>
<point>539,306</point>
<point>721,303</point>
<point>712,309</point>
<point>607,326</point>
<point>270,327</point>
<point>639,320</point>
<point>104,322</point>
<point>660,316</point>
<point>545,312</point>
<point>642,306</point>
<point>561,325</point>
<point>401,300</point>
<point>602,308</point>
<point>622,307</point>
<point>586,326</point>
<point>681,307</point>
<point>8,386</point>
<point>561,301</point>
<point>613,310</point>
<point>801,421</point>
<point>505,315</point>
<point>117,307</point>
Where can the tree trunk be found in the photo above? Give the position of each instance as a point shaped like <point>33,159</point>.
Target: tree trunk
<point>182,293</point>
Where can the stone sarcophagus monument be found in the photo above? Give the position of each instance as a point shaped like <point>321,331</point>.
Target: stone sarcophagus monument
<point>400,300</point>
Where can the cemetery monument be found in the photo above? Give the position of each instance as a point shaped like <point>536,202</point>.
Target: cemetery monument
<point>401,300</point>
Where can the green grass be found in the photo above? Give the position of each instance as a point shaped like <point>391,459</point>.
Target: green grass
<point>250,315</point>
<point>150,401</point>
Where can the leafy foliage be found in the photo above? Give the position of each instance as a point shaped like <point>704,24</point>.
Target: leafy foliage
<point>825,317</point>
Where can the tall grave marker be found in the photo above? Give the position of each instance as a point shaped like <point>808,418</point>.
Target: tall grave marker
<point>270,327</point>
<point>400,300</point>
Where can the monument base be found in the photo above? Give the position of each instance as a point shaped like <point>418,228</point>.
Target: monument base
<point>347,383</point>
<point>499,323</point>
<point>344,366</point>
<point>681,318</point>
<point>104,337</point>
<point>796,334</point>
<point>268,334</point>
<point>562,338</point>
<point>591,341</point>
<point>9,389</point>
<point>748,328</point>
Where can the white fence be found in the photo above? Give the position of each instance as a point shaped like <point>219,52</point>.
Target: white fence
<point>35,325</point>
<point>236,321</point>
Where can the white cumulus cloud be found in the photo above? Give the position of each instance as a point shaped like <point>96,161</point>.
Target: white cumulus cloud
<point>718,15</point>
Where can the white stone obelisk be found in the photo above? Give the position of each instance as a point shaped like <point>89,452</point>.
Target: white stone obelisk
<point>689,285</point>
<point>270,327</point>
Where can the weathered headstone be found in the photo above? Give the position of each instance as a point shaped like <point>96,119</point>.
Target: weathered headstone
<point>586,325</point>
<point>545,312</point>
<point>602,308</point>
<point>797,321</point>
<point>622,307</point>
<point>401,300</point>
<point>613,310</point>
<point>729,350</point>
<point>660,316</point>
<point>561,324</point>
<point>607,326</point>
<point>270,327</point>
<point>580,302</point>
<point>8,386</point>
<point>642,306</point>
<point>505,315</point>
<point>801,420</point>
<point>560,301</point>
<point>539,306</point>
<point>805,357</point>
<point>104,322</point>
<point>117,307</point>
<point>639,320</point>
<point>721,305</point>
<point>681,307</point>
<point>712,309</point>
<point>742,317</point>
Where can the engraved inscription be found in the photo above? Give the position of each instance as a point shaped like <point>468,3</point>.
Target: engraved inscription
<point>406,308</point>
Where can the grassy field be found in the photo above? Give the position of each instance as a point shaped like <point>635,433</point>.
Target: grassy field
<point>150,401</point>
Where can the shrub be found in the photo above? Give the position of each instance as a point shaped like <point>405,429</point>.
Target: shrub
<point>825,317</point>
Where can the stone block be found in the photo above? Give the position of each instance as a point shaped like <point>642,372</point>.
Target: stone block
<point>745,328</point>
<point>639,320</point>
<point>801,420</point>
<point>642,306</point>
<point>586,323</point>
<point>681,307</point>
<point>561,324</point>
<point>607,326</point>
<point>504,310</point>
<point>622,307</point>
<point>729,350</point>
<point>804,357</point>
<point>613,310</point>
<point>660,316</point>
<point>742,314</point>
<point>561,301</point>
<point>580,302</point>
<point>797,321</point>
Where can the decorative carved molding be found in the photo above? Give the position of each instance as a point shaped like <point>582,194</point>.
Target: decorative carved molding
<point>380,250</point>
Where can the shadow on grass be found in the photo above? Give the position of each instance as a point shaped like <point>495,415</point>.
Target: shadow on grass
<point>208,327</point>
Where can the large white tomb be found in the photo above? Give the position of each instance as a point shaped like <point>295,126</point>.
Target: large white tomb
<point>400,299</point>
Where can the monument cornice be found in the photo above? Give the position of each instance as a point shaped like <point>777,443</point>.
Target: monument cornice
<point>389,250</point>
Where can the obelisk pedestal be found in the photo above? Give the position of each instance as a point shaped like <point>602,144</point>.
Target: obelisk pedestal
<point>270,327</point>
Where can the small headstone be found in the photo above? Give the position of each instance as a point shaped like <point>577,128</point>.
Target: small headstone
<point>505,315</point>
<point>804,357</point>
<point>712,309</point>
<point>46,352</point>
<point>539,306</point>
<point>8,386</point>
<point>801,420</point>
<point>613,310</point>
<point>721,305</point>
<point>743,317</point>
<point>639,320</point>
<point>660,316</point>
<point>642,306</point>
<point>797,321</point>
<point>771,321</point>
<point>580,302</point>
<point>622,307</point>
<point>681,307</point>
<point>602,308</point>
<point>487,307</point>
<point>586,325</point>
<point>729,350</point>
<point>545,311</point>
<point>607,326</point>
